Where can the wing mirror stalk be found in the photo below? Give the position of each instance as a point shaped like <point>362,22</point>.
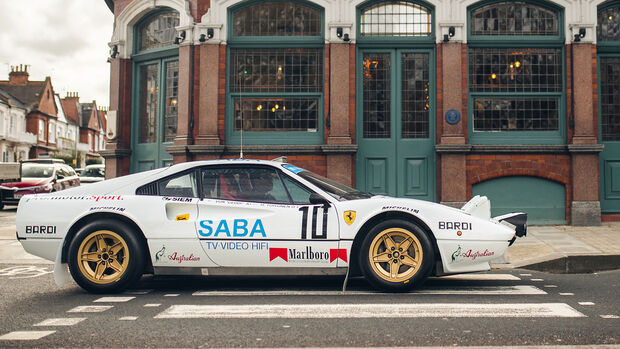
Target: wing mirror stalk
<point>317,199</point>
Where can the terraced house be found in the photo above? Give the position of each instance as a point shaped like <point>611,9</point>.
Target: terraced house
<point>436,100</point>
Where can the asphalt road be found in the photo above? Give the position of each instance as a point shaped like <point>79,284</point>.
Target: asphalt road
<point>500,308</point>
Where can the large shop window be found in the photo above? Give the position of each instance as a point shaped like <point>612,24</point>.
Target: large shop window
<point>516,74</point>
<point>275,74</point>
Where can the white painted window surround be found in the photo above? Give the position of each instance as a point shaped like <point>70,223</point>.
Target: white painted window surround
<point>338,13</point>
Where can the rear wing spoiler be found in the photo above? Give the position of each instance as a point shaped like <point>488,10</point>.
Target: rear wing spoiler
<point>480,206</point>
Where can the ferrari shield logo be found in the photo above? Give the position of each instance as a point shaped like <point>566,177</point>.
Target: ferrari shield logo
<point>349,217</point>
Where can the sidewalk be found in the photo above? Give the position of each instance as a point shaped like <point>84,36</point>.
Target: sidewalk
<point>565,249</point>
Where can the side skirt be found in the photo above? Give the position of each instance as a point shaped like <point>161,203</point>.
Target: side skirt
<point>248,271</point>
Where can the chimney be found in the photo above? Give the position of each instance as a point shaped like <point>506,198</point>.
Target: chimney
<point>73,96</point>
<point>18,75</point>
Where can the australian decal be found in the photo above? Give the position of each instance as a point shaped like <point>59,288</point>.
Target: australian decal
<point>232,228</point>
<point>307,254</point>
<point>175,256</point>
<point>455,225</point>
<point>349,217</point>
<point>471,254</point>
<point>40,229</point>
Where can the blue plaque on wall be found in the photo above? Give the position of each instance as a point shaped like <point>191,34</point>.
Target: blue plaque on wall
<point>453,116</point>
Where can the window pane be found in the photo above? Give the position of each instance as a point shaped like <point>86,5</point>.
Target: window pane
<point>515,70</point>
<point>277,19</point>
<point>172,94</point>
<point>244,184</point>
<point>276,114</point>
<point>179,186</point>
<point>149,87</point>
<point>376,74</point>
<point>415,96</point>
<point>513,18</point>
<point>515,114</point>
<point>609,24</point>
<point>396,19</point>
<point>276,70</point>
<point>159,31</point>
<point>610,103</point>
<point>299,194</point>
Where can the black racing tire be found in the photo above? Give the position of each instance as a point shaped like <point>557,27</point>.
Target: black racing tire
<point>396,255</point>
<point>106,257</point>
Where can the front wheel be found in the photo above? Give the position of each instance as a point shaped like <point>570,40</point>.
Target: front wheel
<point>396,255</point>
<point>105,257</point>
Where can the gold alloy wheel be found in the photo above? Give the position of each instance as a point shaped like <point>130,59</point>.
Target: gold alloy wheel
<point>395,254</point>
<point>103,257</point>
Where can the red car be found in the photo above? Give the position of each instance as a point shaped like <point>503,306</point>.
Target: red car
<point>38,177</point>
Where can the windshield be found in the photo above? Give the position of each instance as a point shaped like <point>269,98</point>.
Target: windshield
<point>339,191</point>
<point>93,172</point>
<point>37,171</point>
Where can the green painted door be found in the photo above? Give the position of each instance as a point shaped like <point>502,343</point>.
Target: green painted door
<point>154,123</point>
<point>523,194</point>
<point>609,74</point>
<point>395,124</point>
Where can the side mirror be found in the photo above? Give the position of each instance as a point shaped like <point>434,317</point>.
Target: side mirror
<point>317,199</point>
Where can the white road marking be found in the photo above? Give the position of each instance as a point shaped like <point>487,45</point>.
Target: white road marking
<point>566,294</point>
<point>328,311</point>
<point>128,318</point>
<point>550,286</point>
<point>481,277</point>
<point>67,321</point>
<point>90,309</point>
<point>25,335</point>
<point>138,292</point>
<point>610,316</point>
<point>152,305</point>
<point>537,279</point>
<point>113,299</point>
<point>172,295</point>
<point>22,272</point>
<point>525,274</point>
<point>586,303</point>
<point>480,290</point>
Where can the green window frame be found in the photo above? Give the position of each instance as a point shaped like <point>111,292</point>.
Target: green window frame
<point>608,49</point>
<point>519,99</point>
<point>265,104</point>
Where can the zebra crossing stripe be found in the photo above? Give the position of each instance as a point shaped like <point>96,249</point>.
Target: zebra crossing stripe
<point>90,309</point>
<point>479,290</point>
<point>406,310</point>
<point>70,321</point>
<point>25,335</point>
<point>113,299</point>
<point>481,277</point>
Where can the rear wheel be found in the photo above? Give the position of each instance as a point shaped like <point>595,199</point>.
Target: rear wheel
<point>105,257</point>
<point>396,255</point>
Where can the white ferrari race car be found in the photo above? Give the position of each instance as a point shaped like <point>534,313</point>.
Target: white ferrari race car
<point>253,217</point>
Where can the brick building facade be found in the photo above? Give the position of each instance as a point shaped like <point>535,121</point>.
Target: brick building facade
<point>423,99</point>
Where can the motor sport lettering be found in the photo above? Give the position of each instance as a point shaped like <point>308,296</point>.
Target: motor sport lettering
<point>315,216</point>
<point>40,229</point>
<point>175,256</point>
<point>236,245</point>
<point>455,225</point>
<point>307,254</point>
<point>95,198</point>
<point>232,228</point>
<point>471,254</point>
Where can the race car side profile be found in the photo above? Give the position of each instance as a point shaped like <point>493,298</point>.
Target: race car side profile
<point>254,217</point>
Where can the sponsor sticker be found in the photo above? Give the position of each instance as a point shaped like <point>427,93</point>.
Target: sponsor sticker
<point>307,254</point>
<point>232,228</point>
<point>470,254</point>
<point>349,217</point>
<point>236,245</point>
<point>455,225</point>
<point>400,208</point>
<point>41,229</point>
<point>177,199</point>
<point>183,217</point>
<point>293,168</point>
<point>174,256</point>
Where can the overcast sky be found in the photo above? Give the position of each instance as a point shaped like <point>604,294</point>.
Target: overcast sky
<point>64,39</point>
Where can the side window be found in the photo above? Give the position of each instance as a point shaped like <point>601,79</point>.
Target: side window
<point>183,185</point>
<point>299,194</point>
<point>258,184</point>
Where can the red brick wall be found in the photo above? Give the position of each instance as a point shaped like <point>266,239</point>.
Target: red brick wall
<point>221,109</point>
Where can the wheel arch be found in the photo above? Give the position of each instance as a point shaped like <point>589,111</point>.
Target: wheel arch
<point>365,229</point>
<point>105,216</point>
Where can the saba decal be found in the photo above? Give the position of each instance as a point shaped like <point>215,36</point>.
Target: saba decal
<point>175,256</point>
<point>307,254</point>
<point>471,254</point>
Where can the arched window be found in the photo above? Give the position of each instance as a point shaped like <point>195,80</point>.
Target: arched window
<point>275,79</point>
<point>516,73</point>
<point>396,18</point>
<point>158,30</point>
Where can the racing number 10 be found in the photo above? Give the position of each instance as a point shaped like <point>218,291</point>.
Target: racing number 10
<point>304,222</point>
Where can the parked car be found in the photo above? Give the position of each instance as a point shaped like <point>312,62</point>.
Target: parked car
<point>226,217</point>
<point>38,176</point>
<point>92,174</point>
